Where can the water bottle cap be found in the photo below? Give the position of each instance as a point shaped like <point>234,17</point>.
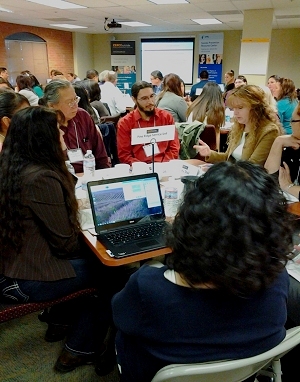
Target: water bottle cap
<point>89,151</point>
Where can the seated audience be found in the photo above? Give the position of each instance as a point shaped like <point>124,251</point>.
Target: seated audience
<point>4,84</point>
<point>94,94</point>
<point>222,293</point>
<point>10,103</point>
<point>92,74</point>
<point>284,158</point>
<point>56,74</point>
<point>72,77</point>
<point>209,108</point>
<point>24,87</point>
<point>4,74</point>
<point>240,81</point>
<point>286,97</point>
<point>80,133</point>
<point>229,84</point>
<point>145,114</point>
<point>40,252</point>
<point>103,76</point>
<point>112,95</point>
<point>35,84</point>
<point>229,80</point>
<point>253,132</point>
<point>84,102</point>
<point>273,84</point>
<point>156,79</point>
<point>171,99</point>
<point>197,88</point>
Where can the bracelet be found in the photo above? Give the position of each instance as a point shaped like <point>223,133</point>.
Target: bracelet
<point>290,185</point>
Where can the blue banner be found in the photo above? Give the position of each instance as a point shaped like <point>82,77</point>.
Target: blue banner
<point>211,55</point>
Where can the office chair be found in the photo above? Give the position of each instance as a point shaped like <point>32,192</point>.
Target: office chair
<point>233,370</point>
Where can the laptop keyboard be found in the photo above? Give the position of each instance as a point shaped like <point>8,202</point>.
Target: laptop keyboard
<point>126,235</point>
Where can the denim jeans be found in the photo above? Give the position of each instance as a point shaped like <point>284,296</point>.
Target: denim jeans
<point>88,316</point>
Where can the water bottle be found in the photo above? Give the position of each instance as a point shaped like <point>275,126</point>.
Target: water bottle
<point>173,193</point>
<point>88,169</point>
<point>89,165</point>
<point>70,168</point>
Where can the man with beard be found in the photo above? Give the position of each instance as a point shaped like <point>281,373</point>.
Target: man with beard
<point>145,114</point>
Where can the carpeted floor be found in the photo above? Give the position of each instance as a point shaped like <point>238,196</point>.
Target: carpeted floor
<point>26,357</point>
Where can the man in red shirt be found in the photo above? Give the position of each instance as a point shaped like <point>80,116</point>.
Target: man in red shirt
<point>144,115</point>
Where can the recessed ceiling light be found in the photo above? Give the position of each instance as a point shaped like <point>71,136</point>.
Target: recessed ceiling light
<point>134,24</point>
<point>206,21</point>
<point>5,10</point>
<point>160,2</point>
<point>57,4</point>
<point>68,26</point>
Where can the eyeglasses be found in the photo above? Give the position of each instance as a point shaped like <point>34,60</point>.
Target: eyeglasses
<point>144,99</point>
<point>295,120</point>
<point>74,102</point>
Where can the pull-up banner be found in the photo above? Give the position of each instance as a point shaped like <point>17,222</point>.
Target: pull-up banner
<point>211,55</point>
<point>123,61</point>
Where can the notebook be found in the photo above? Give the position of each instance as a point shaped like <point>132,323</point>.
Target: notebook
<point>131,203</point>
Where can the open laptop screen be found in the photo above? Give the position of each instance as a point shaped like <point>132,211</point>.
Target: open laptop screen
<point>123,201</point>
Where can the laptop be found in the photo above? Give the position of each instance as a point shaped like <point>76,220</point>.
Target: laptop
<point>128,214</point>
<point>222,87</point>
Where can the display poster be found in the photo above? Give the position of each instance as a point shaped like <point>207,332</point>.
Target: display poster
<point>123,61</point>
<point>211,55</point>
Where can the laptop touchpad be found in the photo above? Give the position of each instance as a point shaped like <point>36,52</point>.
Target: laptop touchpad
<point>148,243</point>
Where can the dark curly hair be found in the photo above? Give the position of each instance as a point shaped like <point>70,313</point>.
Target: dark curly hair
<point>33,138</point>
<point>232,230</point>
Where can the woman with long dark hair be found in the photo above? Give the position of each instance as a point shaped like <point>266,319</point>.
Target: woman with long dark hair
<point>40,254</point>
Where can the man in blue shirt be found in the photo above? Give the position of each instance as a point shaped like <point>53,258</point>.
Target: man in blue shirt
<point>199,85</point>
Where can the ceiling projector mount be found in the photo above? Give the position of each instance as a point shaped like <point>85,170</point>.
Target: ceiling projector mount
<point>110,25</point>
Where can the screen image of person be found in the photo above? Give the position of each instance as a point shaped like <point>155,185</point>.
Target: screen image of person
<point>230,241</point>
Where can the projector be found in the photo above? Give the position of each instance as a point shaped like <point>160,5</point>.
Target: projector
<point>114,24</point>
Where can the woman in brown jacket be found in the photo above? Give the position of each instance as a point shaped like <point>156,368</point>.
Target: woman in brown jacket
<point>253,132</point>
<point>40,253</point>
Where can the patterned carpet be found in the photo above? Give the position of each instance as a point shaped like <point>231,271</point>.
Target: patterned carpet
<point>26,357</point>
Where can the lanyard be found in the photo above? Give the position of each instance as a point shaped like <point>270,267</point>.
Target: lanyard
<point>75,128</point>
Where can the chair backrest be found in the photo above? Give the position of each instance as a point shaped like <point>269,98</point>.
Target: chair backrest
<point>209,136</point>
<point>228,371</point>
<point>110,118</point>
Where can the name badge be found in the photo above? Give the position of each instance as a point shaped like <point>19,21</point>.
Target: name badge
<point>148,149</point>
<point>75,155</point>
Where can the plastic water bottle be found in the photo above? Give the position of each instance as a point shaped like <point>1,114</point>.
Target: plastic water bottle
<point>70,167</point>
<point>89,165</point>
<point>88,169</point>
<point>173,193</point>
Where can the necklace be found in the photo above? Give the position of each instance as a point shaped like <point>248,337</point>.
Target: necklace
<point>3,136</point>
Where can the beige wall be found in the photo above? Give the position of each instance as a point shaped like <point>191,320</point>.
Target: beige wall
<point>83,53</point>
<point>284,58</point>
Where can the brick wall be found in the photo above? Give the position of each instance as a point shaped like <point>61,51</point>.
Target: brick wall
<point>59,45</point>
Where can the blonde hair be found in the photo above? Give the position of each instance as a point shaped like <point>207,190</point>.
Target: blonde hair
<point>261,114</point>
<point>269,98</point>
